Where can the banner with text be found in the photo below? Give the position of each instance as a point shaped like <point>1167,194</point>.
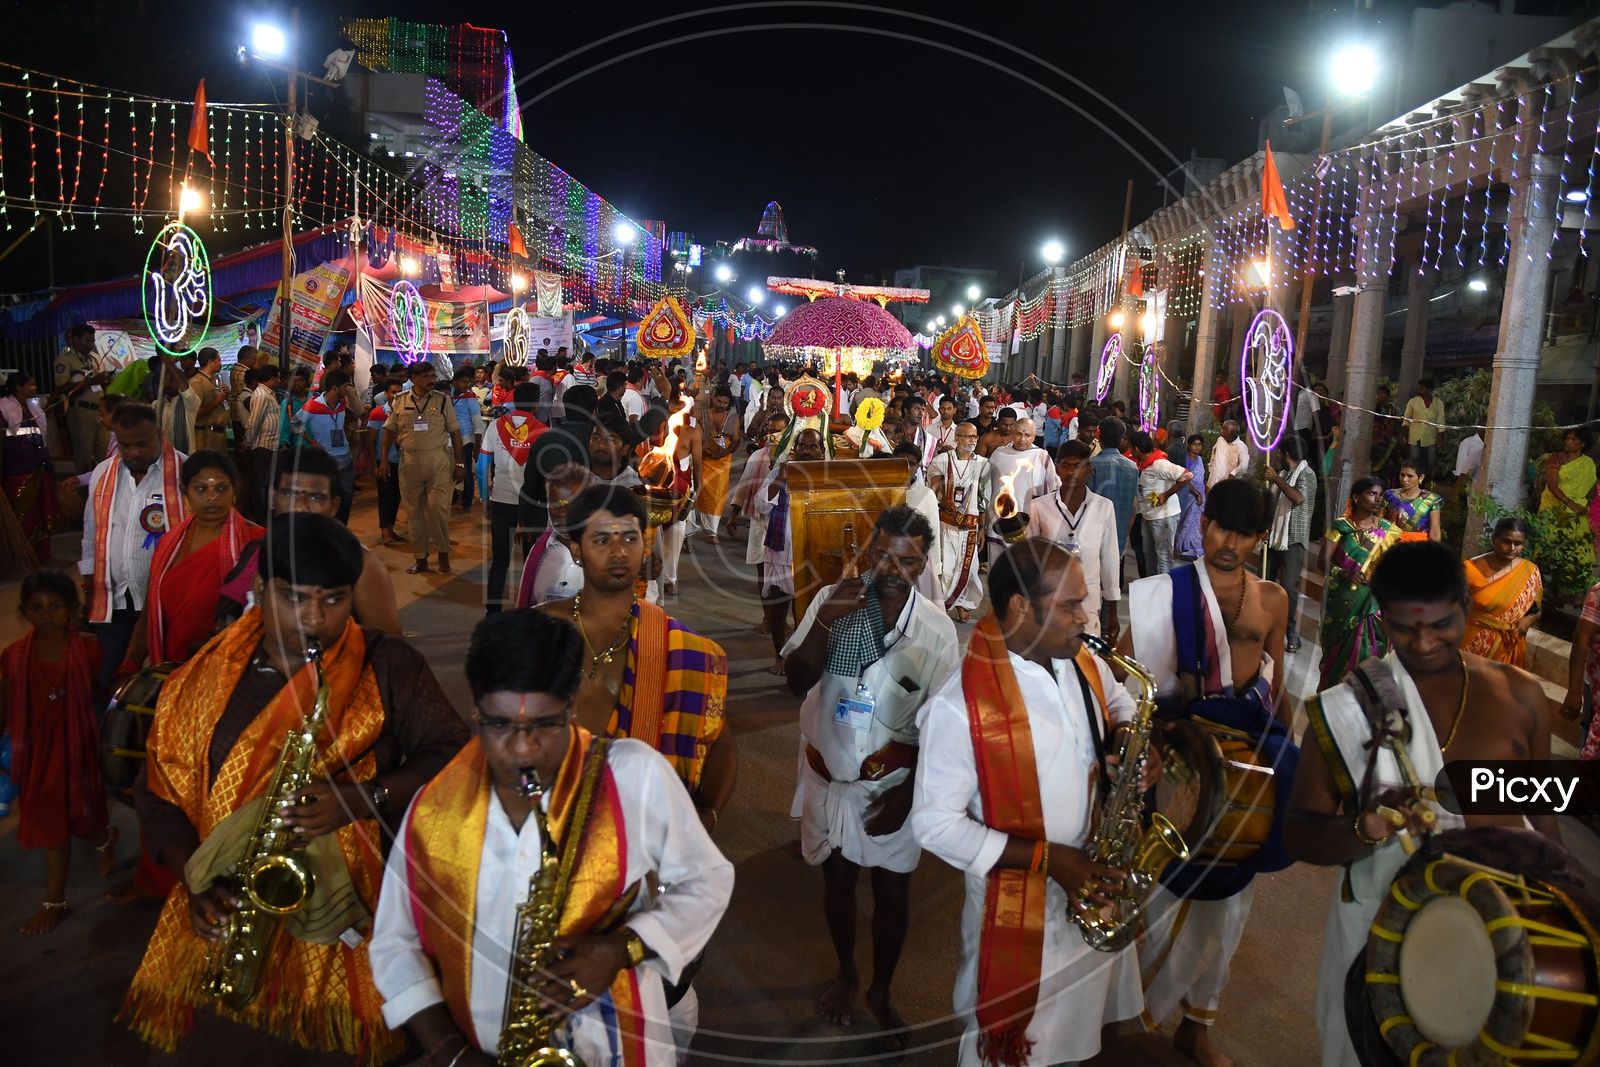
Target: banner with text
<point>453,329</point>
<point>314,296</point>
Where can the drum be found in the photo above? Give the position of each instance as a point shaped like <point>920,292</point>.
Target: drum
<point>1216,790</point>
<point>126,726</point>
<point>1467,966</point>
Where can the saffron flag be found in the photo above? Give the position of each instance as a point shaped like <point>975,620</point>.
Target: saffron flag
<point>199,129</point>
<point>514,243</point>
<point>1136,278</point>
<point>1273,202</point>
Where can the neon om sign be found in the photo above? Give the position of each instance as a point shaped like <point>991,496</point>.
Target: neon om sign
<point>1265,367</point>
<point>408,322</point>
<point>177,289</point>
<point>1110,356</point>
<point>514,346</point>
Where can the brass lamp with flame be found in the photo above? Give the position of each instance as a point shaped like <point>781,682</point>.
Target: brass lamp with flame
<point>1011,522</point>
<point>662,505</point>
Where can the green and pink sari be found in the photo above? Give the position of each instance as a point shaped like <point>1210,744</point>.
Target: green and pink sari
<point>1350,628</point>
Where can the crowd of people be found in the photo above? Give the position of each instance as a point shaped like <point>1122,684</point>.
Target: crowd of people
<point>560,841</point>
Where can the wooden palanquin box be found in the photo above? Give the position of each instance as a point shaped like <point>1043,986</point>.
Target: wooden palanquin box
<point>832,506</point>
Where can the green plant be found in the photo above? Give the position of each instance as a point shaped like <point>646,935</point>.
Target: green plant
<point>1564,552</point>
<point>1466,406</point>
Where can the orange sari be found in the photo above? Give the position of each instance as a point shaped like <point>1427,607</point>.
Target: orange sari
<point>1498,604</point>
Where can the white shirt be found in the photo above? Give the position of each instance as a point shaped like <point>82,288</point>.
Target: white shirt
<point>1035,475</point>
<point>1469,453</point>
<point>632,403</point>
<point>505,473</point>
<point>1080,987</point>
<point>559,576</point>
<point>1305,409</point>
<point>1090,533</point>
<point>972,407</point>
<point>919,496</point>
<point>1157,477</point>
<point>1229,460</point>
<point>129,547</point>
<point>664,835</point>
<point>966,479</point>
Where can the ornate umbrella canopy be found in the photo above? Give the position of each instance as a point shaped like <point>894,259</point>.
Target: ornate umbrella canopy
<point>836,329</point>
<point>961,350</point>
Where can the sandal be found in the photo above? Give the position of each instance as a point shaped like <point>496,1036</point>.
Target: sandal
<point>112,833</point>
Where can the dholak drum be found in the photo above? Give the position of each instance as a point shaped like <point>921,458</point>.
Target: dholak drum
<point>1217,789</point>
<point>126,726</point>
<point>1468,967</point>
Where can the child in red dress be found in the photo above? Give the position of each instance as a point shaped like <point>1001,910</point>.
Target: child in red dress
<point>46,700</point>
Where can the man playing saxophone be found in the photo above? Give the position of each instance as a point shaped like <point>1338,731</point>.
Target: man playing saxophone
<point>215,748</point>
<point>1013,744</point>
<point>477,914</point>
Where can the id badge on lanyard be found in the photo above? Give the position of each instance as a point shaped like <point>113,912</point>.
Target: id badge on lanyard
<point>856,711</point>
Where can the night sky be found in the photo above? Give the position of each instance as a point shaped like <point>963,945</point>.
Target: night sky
<point>884,151</point>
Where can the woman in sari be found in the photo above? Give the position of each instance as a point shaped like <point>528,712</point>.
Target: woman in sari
<point>190,563</point>
<point>1192,500</point>
<point>1411,509</point>
<point>1569,482</point>
<point>180,609</point>
<point>25,469</point>
<point>1350,628</point>
<point>1506,590</point>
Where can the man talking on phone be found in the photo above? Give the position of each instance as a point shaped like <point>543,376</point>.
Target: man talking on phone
<point>865,657</point>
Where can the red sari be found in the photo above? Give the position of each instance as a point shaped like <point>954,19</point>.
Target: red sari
<point>54,749</point>
<point>181,606</point>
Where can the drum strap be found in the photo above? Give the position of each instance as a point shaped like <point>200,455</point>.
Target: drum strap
<point>1378,695</point>
<point>1189,629</point>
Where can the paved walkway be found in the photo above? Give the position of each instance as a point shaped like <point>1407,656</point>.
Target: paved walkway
<point>58,993</point>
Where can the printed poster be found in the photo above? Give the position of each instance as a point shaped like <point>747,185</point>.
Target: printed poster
<point>315,296</point>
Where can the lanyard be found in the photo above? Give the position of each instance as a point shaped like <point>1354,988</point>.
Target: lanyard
<point>1073,524</point>
<point>862,672</point>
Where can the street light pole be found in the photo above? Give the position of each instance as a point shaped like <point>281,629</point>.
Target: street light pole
<point>284,296</point>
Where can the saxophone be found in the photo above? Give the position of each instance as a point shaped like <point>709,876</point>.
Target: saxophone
<point>270,879</point>
<point>1120,839</point>
<point>528,1018</point>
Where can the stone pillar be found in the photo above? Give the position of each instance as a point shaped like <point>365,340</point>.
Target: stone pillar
<point>1172,340</point>
<point>1530,230</point>
<point>1208,339</point>
<point>1374,228</point>
<point>1058,350</point>
<point>1339,343</point>
<point>1126,387</point>
<point>1098,332</point>
<point>1416,342</point>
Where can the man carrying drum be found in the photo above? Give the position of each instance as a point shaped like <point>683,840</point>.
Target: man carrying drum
<point>1211,635</point>
<point>1352,809</point>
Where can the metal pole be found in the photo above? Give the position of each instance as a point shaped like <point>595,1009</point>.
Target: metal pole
<point>288,205</point>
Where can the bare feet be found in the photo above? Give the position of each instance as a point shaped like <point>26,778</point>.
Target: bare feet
<point>963,615</point>
<point>838,1001</point>
<point>776,668</point>
<point>44,920</point>
<point>711,539</point>
<point>889,1020</point>
<point>762,628</point>
<point>107,850</point>
<point>669,588</point>
<point>419,567</point>
<point>124,893</point>
<point>390,537</point>
<point>1194,1039</point>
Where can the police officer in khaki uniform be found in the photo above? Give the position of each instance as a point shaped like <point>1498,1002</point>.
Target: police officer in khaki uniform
<point>78,382</point>
<point>423,423</point>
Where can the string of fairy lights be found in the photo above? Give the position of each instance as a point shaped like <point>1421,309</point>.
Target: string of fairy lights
<point>1449,176</point>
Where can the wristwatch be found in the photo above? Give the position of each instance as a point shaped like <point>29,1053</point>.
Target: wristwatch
<point>378,793</point>
<point>636,949</point>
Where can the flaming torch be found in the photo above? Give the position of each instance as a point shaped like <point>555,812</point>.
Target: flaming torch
<point>664,499</point>
<point>1011,522</point>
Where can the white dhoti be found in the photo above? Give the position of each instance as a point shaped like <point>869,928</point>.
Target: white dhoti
<point>670,538</point>
<point>1185,952</point>
<point>1336,716</point>
<point>959,549</point>
<point>755,549</point>
<point>833,816</point>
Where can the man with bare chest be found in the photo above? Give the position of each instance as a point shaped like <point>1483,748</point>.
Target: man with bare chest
<point>645,675</point>
<point>1211,634</point>
<point>1457,707</point>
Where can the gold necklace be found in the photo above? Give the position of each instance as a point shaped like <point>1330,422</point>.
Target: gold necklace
<point>597,658</point>
<point>1456,725</point>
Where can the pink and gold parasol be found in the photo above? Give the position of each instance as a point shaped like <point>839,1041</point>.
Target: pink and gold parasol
<point>839,333</point>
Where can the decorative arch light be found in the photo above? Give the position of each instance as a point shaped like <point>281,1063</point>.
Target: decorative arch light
<point>177,289</point>
<point>1266,368</point>
<point>514,345</point>
<point>408,322</point>
<point>1106,373</point>
<point>1150,388</point>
